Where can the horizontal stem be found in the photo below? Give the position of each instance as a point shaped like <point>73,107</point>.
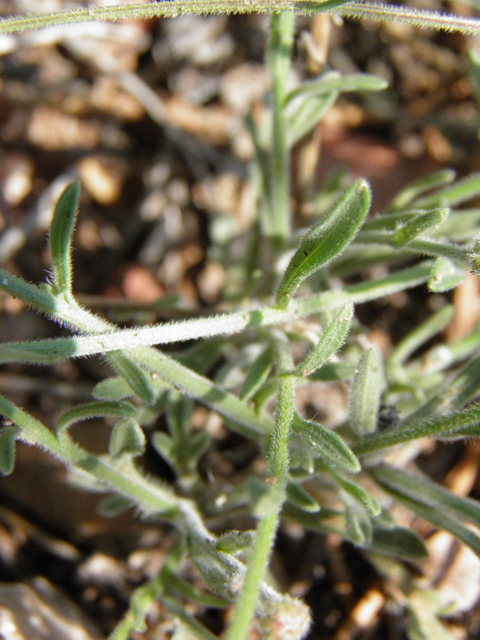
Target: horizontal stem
<point>58,349</point>
<point>173,8</point>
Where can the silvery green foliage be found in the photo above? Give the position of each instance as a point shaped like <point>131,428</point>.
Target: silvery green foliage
<point>425,231</point>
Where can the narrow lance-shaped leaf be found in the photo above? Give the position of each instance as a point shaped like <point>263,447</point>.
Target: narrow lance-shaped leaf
<point>100,409</point>
<point>327,444</point>
<point>422,489</point>
<point>459,424</point>
<point>8,436</point>
<point>61,230</point>
<point>421,334</point>
<point>360,494</point>
<point>135,377</point>
<point>453,195</point>
<point>419,225</point>
<point>359,525</point>
<point>301,499</point>
<point>127,439</point>
<point>365,394</point>
<point>440,518</point>
<point>258,373</point>
<point>326,239</point>
<point>399,541</point>
<point>416,188</point>
<point>333,81</point>
<point>446,275</point>
<point>308,115</point>
<point>329,343</point>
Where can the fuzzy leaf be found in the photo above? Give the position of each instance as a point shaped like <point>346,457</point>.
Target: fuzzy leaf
<point>461,191</point>
<point>264,498</point>
<point>301,499</point>
<point>359,525</point>
<point>112,389</point>
<point>329,343</point>
<point>8,435</point>
<point>456,425</point>
<point>61,230</point>
<point>326,239</point>
<point>327,444</point>
<point>133,375</point>
<point>127,439</point>
<point>257,375</point>
<point>422,489</point>
<point>446,275</point>
<point>234,542</point>
<point>365,394</point>
<point>114,505</point>
<point>417,226</point>
<point>308,115</point>
<point>99,409</point>
<point>438,516</point>
<point>398,541</point>
<point>198,446</point>
<point>360,494</point>
<point>418,187</point>
<point>39,298</point>
<point>165,446</point>
<point>333,81</point>
<point>421,334</point>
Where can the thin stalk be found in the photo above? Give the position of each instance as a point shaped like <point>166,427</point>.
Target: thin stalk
<point>247,601</point>
<point>174,8</point>
<point>279,57</point>
<point>58,349</point>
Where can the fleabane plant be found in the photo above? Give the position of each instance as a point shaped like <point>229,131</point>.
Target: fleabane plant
<point>339,481</point>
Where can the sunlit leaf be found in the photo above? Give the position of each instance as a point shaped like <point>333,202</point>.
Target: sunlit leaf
<point>326,239</point>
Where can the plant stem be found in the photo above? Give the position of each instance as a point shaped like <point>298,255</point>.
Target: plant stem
<point>173,8</point>
<point>278,471</point>
<point>103,340</point>
<point>279,58</point>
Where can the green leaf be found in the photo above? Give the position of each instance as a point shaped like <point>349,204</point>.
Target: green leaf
<point>422,489</point>
<point>127,439</point>
<point>327,444</point>
<point>456,425</point>
<point>235,542</point>
<point>36,297</point>
<point>446,275</point>
<point>99,409</point>
<point>165,446</point>
<point>137,379</point>
<point>308,115</point>
<point>329,343</point>
<point>365,393</point>
<point>115,388</point>
<point>474,60</point>
<point>326,239</point>
<point>257,375</point>
<point>8,435</point>
<point>198,446</point>
<point>421,334</point>
<point>440,518</point>
<point>416,188</point>
<point>333,81</point>
<point>417,226</point>
<point>301,499</point>
<point>360,494</point>
<point>398,541</point>
<point>359,525</point>
<point>457,193</point>
<point>218,569</point>
<point>112,506</point>
<point>61,230</point>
